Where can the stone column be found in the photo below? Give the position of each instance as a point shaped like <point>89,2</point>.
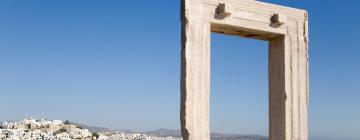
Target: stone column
<point>288,95</point>
<point>195,79</point>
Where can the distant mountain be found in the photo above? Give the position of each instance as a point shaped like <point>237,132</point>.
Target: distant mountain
<point>164,133</point>
<point>93,128</point>
<point>219,136</point>
<point>329,138</point>
<point>214,136</point>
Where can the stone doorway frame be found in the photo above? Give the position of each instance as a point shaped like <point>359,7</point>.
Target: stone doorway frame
<point>285,28</point>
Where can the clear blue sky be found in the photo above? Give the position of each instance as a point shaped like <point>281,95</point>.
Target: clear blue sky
<point>107,63</point>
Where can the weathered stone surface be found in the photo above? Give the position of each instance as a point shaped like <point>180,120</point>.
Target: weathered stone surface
<point>285,29</point>
<point>195,80</point>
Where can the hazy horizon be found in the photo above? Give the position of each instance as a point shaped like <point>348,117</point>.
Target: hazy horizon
<point>104,63</point>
